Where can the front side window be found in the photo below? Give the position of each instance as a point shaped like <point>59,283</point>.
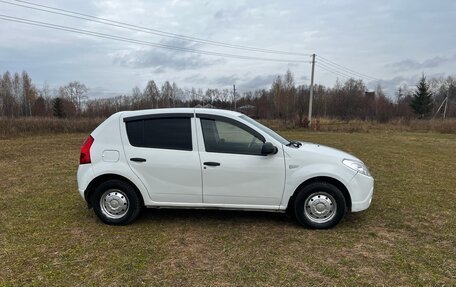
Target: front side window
<point>224,137</point>
<point>164,133</point>
<point>267,130</point>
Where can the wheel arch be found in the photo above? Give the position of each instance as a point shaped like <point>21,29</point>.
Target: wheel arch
<point>327,179</point>
<point>103,178</point>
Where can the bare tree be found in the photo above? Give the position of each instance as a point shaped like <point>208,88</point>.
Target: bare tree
<point>174,91</point>
<point>6,95</point>
<point>75,92</point>
<point>29,94</point>
<point>151,94</point>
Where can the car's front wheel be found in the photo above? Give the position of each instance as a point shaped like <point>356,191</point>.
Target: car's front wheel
<point>116,202</point>
<point>319,205</point>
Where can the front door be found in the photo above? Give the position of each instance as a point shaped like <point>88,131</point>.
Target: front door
<point>234,171</point>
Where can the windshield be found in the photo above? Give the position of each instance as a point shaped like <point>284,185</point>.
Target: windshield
<point>265,129</point>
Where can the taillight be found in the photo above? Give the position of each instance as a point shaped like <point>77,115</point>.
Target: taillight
<point>85,151</point>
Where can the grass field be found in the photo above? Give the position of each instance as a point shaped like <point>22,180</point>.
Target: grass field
<point>407,237</point>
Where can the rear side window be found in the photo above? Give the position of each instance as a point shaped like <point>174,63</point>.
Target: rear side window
<point>165,133</point>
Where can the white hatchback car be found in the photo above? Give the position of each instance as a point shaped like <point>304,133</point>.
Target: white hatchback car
<point>218,159</point>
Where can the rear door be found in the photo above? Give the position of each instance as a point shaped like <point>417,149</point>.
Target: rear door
<point>162,152</point>
<point>234,171</point>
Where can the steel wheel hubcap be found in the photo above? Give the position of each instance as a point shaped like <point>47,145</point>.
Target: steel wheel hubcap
<point>320,207</point>
<point>114,203</point>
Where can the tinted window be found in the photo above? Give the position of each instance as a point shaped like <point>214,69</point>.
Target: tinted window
<point>166,133</point>
<point>225,137</point>
<point>267,130</point>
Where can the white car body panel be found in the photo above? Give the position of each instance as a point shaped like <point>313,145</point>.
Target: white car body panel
<point>108,138</point>
<point>175,178</point>
<point>172,176</point>
<point>242,179</point>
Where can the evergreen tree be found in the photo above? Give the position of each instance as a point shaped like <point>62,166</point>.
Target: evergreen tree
<point>422,99</point>
<point>57,108</point>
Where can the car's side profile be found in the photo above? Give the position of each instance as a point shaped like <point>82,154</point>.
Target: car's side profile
<point>208,158</point>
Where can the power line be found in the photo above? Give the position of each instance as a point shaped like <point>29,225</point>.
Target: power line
<point>348,74</point>
<point>328,69</point>
<point>124,25</point>
<point>343,73</point>
<point>345,69</point>
<point>332,71</point>
<point>134,41</point>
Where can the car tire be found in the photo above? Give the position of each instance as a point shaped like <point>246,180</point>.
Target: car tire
<point>319,205</point>
<point>116,202</point>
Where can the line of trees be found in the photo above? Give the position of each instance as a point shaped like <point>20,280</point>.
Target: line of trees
<point>19,97</point>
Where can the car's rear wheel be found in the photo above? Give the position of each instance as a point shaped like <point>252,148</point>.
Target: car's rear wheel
<point>319,205</point>
<point>116,202</point>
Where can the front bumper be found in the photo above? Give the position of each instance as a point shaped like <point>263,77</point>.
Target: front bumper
<point>361,191</point>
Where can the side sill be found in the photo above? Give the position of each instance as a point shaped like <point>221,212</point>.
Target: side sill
<point>218,207</point>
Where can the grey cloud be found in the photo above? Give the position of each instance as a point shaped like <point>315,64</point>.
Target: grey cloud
<point>259,82</point>
<point>195,78</point>
<point>161,60</point>
<point>226,80</point>
<point>410,64</point>
<point>180,43</point>
<point>379,34</point>
<point>219,14</point>
<point>242,82</point>
<point>159,70</point>
<point>99,92</point>
<point>229,14</point>
<point>391,85</point>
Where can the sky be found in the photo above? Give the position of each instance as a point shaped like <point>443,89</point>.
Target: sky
<point>388,42</point>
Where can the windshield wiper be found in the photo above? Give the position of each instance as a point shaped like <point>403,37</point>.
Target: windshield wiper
<point>294,143</point>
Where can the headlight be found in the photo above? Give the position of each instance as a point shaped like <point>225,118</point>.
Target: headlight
<point>357,166</point>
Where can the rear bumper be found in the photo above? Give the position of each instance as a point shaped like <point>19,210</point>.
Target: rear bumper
<point>361,191</point>
<point>85,175</point>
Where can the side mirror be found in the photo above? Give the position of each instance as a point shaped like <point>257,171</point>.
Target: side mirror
<point>268,148</point>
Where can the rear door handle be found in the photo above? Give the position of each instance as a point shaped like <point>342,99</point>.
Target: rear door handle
<point>211,163</point>
<point>138,159</point>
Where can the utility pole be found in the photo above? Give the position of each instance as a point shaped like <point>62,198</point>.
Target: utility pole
<point>311,90</point>
<point>234,96</point>
<point>446,103</point>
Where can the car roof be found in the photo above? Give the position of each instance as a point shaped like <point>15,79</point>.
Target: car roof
<point>180,110</point>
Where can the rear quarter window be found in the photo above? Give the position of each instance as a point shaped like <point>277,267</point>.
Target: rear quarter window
<point>164,133</point>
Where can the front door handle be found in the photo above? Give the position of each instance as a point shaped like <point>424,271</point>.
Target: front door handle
<point>138,159</point>
<point>211,163</point>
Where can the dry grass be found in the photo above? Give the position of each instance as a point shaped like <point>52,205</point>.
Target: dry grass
<point>18,127</point>
<point>407,237</point>
<point>14,127</point>
<point>397,125</point>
